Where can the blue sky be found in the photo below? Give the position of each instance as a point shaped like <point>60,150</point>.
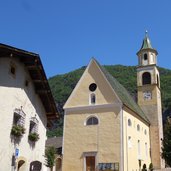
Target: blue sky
<point>67,33</point>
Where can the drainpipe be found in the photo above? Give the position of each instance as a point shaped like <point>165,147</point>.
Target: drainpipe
<point>122,139</point>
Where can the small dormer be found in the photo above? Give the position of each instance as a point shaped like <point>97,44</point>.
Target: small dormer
<point>147,55</point>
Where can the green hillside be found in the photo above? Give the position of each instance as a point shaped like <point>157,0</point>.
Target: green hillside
<point>62,85</point>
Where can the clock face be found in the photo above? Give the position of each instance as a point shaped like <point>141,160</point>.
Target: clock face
<point>147,95</point>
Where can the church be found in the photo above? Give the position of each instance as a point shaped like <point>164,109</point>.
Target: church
<point>105,129</point>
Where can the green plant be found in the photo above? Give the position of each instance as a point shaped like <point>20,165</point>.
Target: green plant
<point>151,167</point>
<point>33,137</point>
<point>144,167</point>
<point>50,157</point>
<point>17,130</point>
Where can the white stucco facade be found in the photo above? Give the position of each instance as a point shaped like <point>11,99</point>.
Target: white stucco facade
<point>15,94</point>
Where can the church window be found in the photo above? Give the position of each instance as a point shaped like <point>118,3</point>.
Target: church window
<point>146,150</point>
<point>92,87</point>
<point>138,127</point>
<point>146,78</point>
<point>145,56</point>
<point>129,142</point>
<point>92,121</point>
<point>139,149</point>
<point>129,122</point>
<point>145,132</point>
<point>92,98</point>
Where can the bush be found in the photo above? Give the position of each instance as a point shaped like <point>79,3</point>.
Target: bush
<point>17,130</point>
<point>50,157</point>
<point>33,137</point>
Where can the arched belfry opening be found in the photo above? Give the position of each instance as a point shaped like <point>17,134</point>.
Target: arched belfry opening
<point>145,57</point>
<point>158,81</point>
<point>146,78</point>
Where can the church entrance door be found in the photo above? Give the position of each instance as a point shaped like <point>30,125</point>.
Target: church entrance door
<point>90,163</point>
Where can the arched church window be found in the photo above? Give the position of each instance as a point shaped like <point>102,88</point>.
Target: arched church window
<point>129,122</point>
<point>146,150</point>
<point>92,98</point>
<point>145,57</point>
<point>145,132</point>
<point>146,78</point>
<point>138,127</point>
<point>139,149</point>
<point>92,121</point>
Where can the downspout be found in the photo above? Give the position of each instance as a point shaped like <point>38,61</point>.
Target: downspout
<point>126,143</point>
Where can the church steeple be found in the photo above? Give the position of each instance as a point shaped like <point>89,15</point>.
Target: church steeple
<point>147,54</point>
<point>149,96</point>
<point>146,42</point>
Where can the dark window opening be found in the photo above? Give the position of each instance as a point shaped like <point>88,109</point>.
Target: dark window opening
<point>93,99</point>
<point>92,121</point>
<point>146,78</point>
<point>26,83</point>
<point>19,117</point>
<point>33,125</point>
<point>145,56</point>
<point>92,87</point>
<point>12,70</point>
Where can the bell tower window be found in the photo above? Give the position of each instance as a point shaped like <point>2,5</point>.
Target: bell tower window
<point>146,78</point>
<point>158,80</point>
<point>145,57</point>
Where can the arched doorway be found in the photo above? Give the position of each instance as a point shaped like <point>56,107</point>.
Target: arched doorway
<point>35,166</point>
<point>21,164</point>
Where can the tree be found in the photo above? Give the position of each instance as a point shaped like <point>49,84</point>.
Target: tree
<point>50,157</point>
<point>166,149</point>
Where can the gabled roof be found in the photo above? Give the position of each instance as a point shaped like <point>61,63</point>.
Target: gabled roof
<point>54,141</point>
<point>122,93</point>
<point>35,68</point>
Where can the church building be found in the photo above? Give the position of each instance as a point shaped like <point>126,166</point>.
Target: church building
<point>105,129</point>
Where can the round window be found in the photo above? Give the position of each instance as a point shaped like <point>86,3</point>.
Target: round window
<point>92,87</point>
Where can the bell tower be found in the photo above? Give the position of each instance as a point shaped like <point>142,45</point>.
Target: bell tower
<point>149,97</point>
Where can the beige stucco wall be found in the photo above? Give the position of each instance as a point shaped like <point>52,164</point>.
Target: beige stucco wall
<point>102,140</point>
<point>131,155</point>
<point>154,110</point>
<point>15,94</point>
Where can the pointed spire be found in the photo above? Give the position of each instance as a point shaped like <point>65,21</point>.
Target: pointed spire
<point>146,42</point>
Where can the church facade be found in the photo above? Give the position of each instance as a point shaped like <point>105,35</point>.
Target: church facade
<point>105,129</point>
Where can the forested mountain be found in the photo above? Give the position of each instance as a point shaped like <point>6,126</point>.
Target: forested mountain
<point>62,86</point>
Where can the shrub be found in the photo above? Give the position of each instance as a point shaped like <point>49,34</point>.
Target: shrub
<point>17,130</point>
<point>33,137</point>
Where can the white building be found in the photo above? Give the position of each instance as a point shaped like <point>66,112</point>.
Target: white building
<point>27,107</point>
